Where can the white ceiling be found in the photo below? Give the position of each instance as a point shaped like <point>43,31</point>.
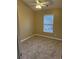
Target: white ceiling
<point>54,4</point>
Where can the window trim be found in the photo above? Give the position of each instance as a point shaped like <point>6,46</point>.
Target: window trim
<point>50,24</point>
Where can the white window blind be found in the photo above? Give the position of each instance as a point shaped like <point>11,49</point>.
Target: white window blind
<point>48,23</point>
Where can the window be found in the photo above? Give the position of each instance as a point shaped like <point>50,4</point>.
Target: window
<point>48,23</point>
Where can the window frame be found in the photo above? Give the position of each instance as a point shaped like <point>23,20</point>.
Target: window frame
<point>49,24</point>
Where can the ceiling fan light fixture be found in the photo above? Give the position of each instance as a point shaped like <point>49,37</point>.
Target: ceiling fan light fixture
<point>38,7</point>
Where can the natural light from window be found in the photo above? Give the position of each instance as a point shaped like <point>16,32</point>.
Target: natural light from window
<point>48,23</point>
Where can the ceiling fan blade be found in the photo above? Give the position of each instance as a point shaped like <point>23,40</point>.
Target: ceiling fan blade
<point>37,1</point>
<point>45,3</point>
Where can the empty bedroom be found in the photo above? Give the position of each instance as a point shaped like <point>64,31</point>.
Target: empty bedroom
<point>40,29</point>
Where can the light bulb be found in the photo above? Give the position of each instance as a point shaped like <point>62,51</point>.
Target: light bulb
<point>38,6</point>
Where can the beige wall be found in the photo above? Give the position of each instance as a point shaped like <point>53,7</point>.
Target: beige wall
<point>57,22</point>
<point>25,17</point>
<point>31,22</point>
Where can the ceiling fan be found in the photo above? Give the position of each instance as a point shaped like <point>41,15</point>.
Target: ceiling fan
<point>39,4</point>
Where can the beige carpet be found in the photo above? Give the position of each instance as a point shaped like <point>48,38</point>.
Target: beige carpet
<point>41,48</point>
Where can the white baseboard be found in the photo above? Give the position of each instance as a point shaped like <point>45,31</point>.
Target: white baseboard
<point>27,38</point>
<point>41,36</point>
<point>47,36</point>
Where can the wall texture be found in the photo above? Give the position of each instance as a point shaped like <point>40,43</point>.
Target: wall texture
<point>57,12</point>
<point>26,20</point>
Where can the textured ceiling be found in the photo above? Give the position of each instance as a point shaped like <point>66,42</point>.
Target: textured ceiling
<point>52,4</point>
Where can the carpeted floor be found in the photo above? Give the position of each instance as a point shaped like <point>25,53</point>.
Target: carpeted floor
<point>41,48</point>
